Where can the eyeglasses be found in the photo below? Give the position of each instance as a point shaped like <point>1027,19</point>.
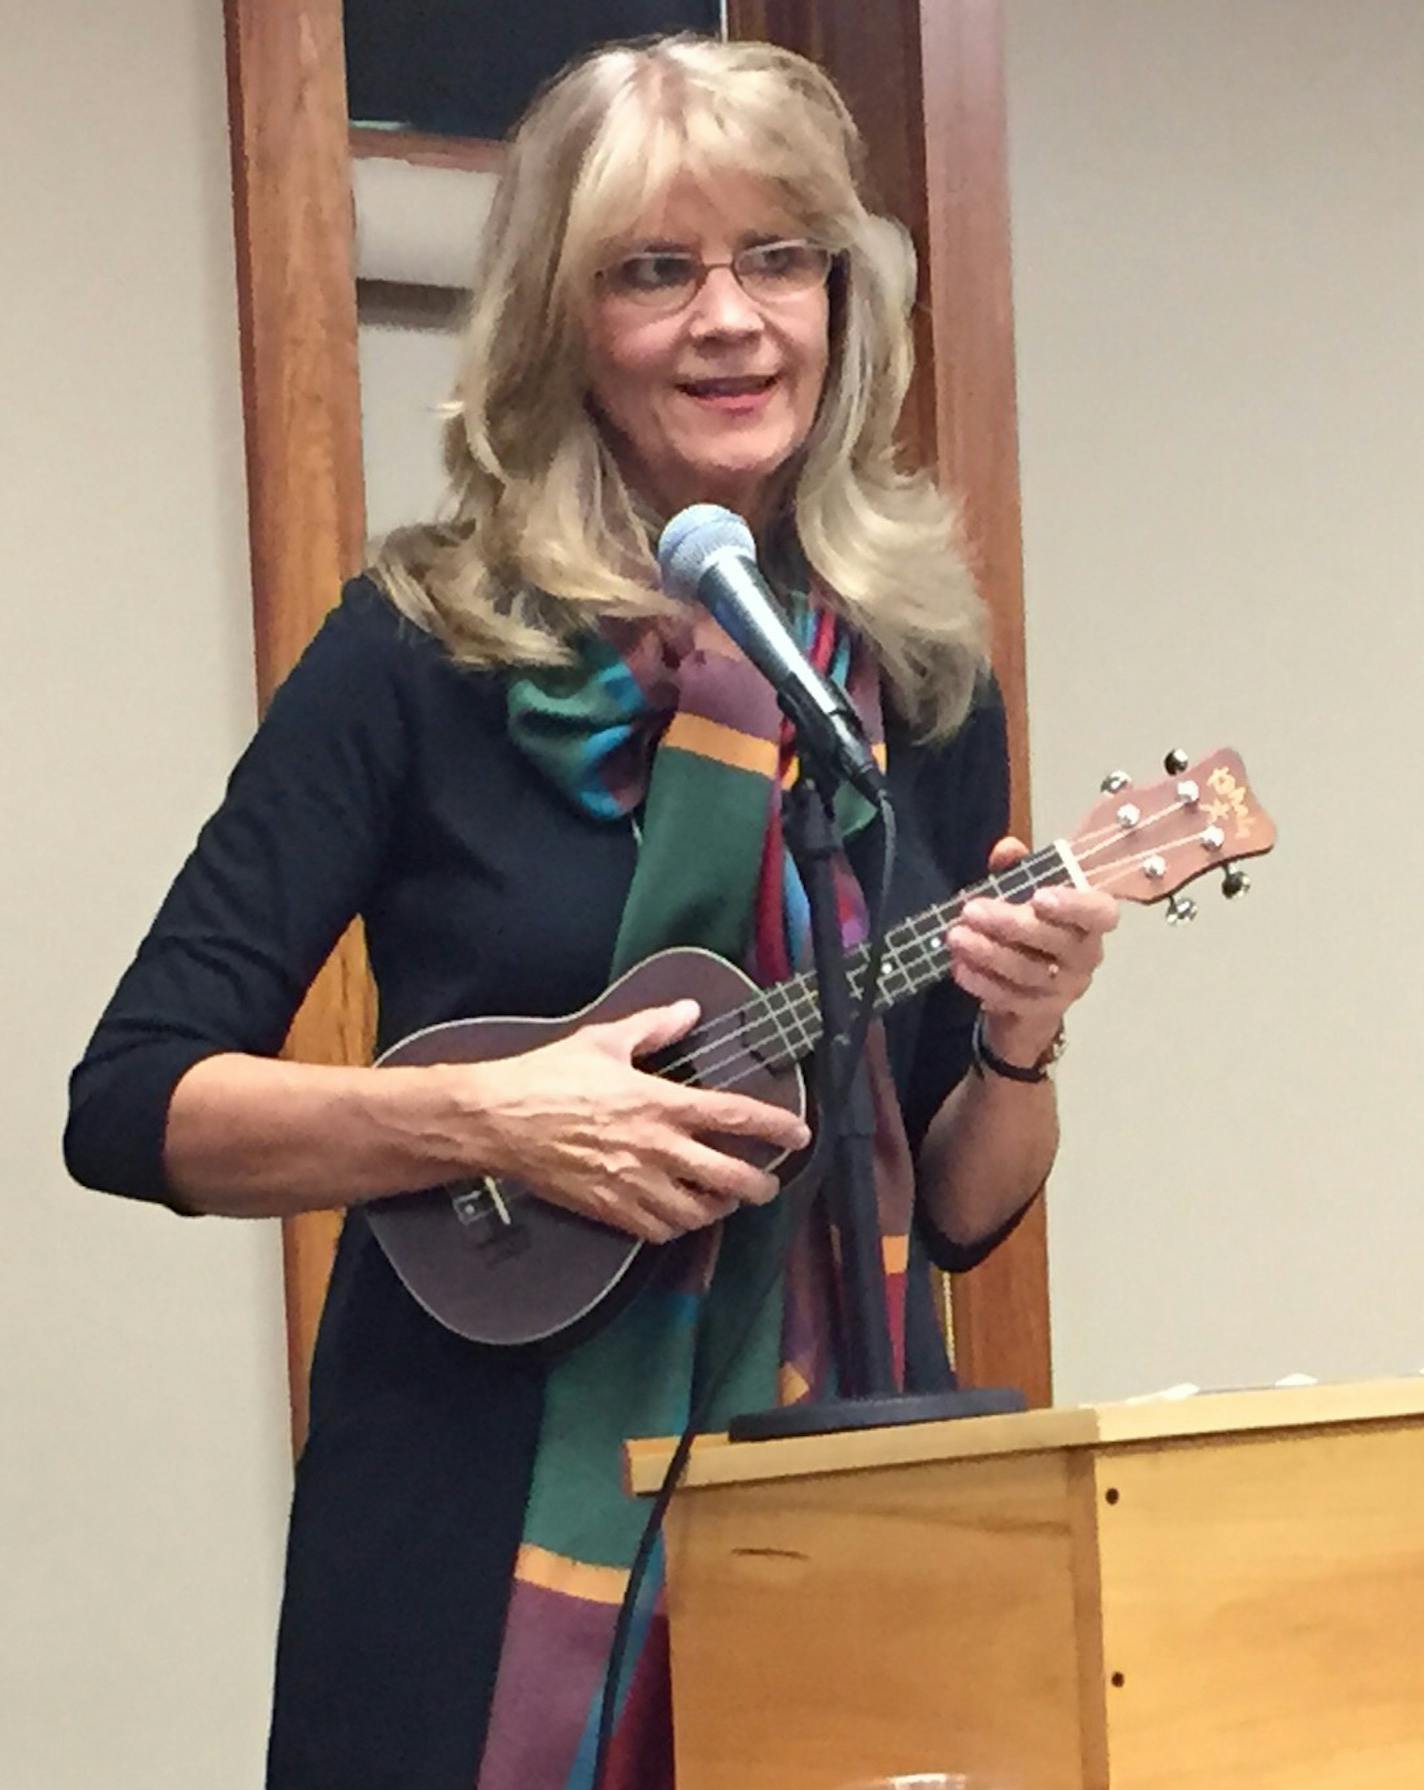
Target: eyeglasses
<point>668,279</point>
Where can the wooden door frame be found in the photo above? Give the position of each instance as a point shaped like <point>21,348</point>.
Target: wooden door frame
<point>938,155</point>
<point>293,220</point>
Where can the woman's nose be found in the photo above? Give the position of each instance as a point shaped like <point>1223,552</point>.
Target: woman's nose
<point>721,307</point>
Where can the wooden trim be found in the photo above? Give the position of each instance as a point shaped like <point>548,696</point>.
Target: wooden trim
<point>1001,1314</point>
<point>425,149</point>
<point>975,397</point>
<point>924,79</point>
<point>302,413</point>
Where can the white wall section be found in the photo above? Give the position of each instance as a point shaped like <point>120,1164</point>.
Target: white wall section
<point>144,1401</point>
<point>1218,214</point>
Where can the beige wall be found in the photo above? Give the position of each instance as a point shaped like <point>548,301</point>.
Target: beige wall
<point>1219,260</point>
<point>407,371</point>
<point>145,1471</point>
<point>415,226</point>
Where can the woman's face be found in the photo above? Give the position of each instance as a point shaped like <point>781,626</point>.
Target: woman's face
<point>705,401</point>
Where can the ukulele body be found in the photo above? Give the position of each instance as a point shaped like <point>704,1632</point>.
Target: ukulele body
<point>491,1259</point>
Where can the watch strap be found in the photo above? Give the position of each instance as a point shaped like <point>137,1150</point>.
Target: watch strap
<point>983,1056</point>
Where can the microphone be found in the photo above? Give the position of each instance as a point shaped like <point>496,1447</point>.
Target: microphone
<point>707,554</point>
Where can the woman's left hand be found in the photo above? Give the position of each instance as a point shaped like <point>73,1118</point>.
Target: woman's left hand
<point>1027,962</point>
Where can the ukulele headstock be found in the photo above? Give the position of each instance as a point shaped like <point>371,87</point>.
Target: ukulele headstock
<point>1144,843</point>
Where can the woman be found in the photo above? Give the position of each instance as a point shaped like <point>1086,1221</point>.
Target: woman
<point>486,753</point>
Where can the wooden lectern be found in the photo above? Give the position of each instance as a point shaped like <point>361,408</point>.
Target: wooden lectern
<point>1219,1593</point>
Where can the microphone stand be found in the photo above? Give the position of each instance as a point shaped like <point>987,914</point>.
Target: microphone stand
<point>869,1396</point>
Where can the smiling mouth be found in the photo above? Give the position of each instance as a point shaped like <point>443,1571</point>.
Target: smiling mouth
<point>747,386</point>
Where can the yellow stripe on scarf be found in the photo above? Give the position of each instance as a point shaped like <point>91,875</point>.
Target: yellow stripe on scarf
<point>573,1578</point>
<point>725,745</point>
<point>791,1385</point>
<point>792,772</point>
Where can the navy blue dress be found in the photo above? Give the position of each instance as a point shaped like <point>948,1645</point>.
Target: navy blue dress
<point>382,783</point>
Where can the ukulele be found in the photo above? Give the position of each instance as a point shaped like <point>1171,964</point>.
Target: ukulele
<point>494,1262</point>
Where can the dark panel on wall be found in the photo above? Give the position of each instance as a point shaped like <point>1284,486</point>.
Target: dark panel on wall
<point>468,68</point>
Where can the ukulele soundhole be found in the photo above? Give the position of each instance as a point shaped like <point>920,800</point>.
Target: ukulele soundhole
<point>487,1215</point>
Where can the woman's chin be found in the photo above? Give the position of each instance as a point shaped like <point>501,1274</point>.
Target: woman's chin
<point>740,483</point>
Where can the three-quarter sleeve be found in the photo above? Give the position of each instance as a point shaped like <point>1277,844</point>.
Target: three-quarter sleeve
<point>276,875</point>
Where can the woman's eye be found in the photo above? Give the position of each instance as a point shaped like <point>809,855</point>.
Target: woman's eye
<point>653,273</point>
<point>774,260</point>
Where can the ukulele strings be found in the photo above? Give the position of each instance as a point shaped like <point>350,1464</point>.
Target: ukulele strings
<point>732,1028</point>
<point>793,1001</point>
<point>925,933</point>
<point>767,1028</point>
<point>729,1038</point>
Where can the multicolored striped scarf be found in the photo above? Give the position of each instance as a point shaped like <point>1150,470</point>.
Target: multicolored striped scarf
<point>697,740</point>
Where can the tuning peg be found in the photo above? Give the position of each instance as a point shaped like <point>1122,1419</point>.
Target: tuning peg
<point>1175,762</point>
<point>1180,910</point>
<point>1234,882</point>
<point>1113,782</point>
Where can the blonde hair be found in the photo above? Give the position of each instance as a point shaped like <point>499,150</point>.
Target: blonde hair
<point>541,538</point>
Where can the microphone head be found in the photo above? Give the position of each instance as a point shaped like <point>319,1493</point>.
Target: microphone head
<point>691,539</point>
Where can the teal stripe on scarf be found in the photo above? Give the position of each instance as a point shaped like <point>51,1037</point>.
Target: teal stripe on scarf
<point>591,727</point>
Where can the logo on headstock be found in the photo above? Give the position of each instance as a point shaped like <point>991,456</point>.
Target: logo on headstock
<point>1231,803</point>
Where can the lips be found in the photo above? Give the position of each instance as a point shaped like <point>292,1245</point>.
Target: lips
<point>746,385</point>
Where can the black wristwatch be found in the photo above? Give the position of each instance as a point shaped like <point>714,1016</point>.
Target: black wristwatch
<point>983,1056</point>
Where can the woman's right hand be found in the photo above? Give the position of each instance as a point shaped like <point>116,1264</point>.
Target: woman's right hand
<point>582,1126</point>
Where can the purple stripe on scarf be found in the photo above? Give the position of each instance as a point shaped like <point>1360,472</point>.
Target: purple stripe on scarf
<point>543,1712</point>
<point>717,688</point>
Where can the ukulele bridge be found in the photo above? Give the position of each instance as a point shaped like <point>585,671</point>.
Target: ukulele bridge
<point>482,1204</point>
<point>491,1229</point>
<point>483,1207</point>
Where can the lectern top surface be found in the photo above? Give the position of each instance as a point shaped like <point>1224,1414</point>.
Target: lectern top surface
<point>717,1461</point>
